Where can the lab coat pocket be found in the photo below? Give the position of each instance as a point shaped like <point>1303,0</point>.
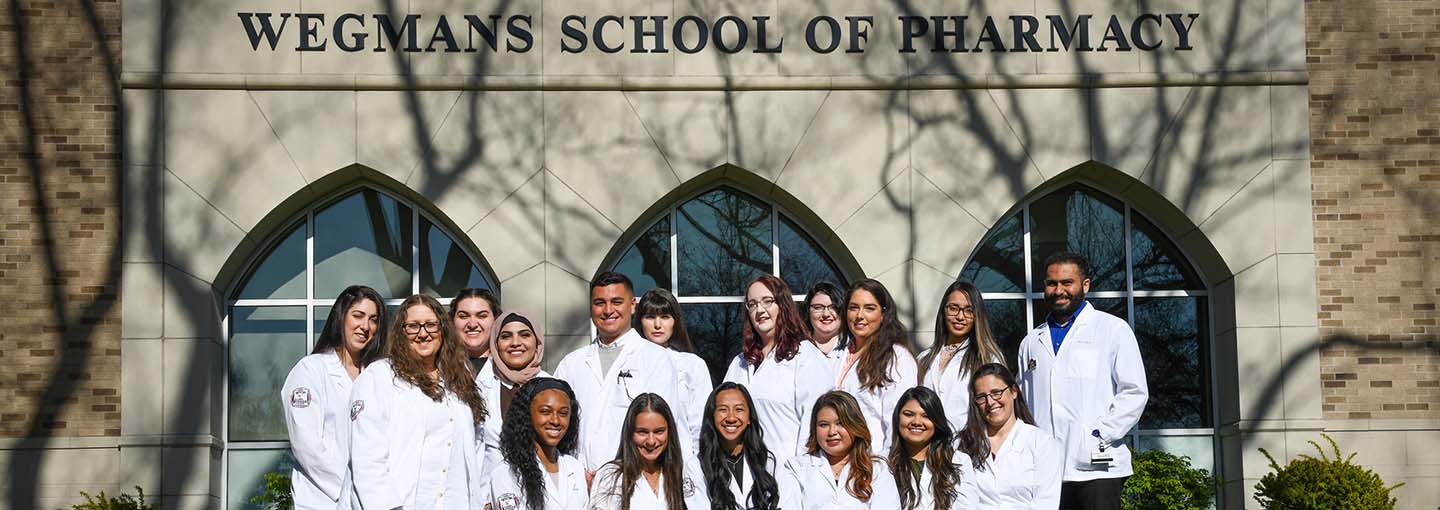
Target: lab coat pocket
<point>1084,362</point>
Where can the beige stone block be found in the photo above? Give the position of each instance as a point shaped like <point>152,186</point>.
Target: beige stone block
<point>222,146</point>
<point>143,216</point>
<point>592,60</point>
<point>1227,36</point>
<point>567,298</point>
<point>186,470</point>
<point>1257,301</point>
<point>511,236</point>
<point>1421,446</point>
<point>208,235</point>
<point>1377,449</point>
<point>525,291</point>
<point>141,292</point>
<point>394,129</point>
<point>1294,215</point>
<point>1091,62</point>
<point>1128,126</point>
<point>853,149</point>
<point>691,129</point>
<point>505,59</point>
<point>208,36</point>
<point>317,127</point>
<point>487,147</point>
<point>940,212</point>
<point>577,236</point>
<point>591,137</point>
<point>972,64</point>
<point>1298,301</point>
<point>194,308</point>
<point>1255,462</point>
<point>141,378</point>
<point>1243,229</point>
<point>879,53</point>
<point>140,465</point>
<point>192,502</point>
<point>880,234</point>
<point>144,112</point>
<point>140,21</point>
<point>1300,355</point>
<point>769,126</point>
<point>898,281</point>
<point>54,476</point>
<point>1222,305</point>
<point>1290,121</point>
<point>928,284</point>
<point>1227,377</point>
<point>1211,150</point>
<point>1261,394</point>
<point>1418,493</point>
<point>557,346</point>
<point>186,392</point>
<point>1050,123</point>
<point>963,144</point>
<point>367,61</point>
<point>1285,35</point>
<point>711,61</point>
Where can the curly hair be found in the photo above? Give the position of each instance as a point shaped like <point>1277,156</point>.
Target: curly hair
<point>878,353</point>
<point>765,493</point>
<point>627,456</point>
<point>939,454</point>
<point>789,331</point>
<point>862,473</point>
<point>454,366</point>
<point>518,437</point>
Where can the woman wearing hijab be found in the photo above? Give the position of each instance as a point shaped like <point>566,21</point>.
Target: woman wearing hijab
<point>962,343</point>
<point>516,350</point>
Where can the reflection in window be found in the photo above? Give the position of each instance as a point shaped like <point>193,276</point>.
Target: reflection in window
<point>245,475</point>
<point>1085,222</point>
<point>444,267</point>
<point>363,239</point>
<point>722,239</point>
<point>265,342</point>
<point>282,275</point>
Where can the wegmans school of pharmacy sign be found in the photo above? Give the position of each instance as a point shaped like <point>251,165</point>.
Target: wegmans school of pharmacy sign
<point>356,32</point>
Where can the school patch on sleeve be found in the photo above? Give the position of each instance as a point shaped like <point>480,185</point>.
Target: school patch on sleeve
<point>355,408</point>
<point>688,487</point>
<point>300,398</point>
<point>508,501</point>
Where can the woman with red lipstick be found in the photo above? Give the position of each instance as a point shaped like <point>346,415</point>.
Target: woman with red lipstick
<point>878,366</point>
<point>962,343</point>
<point>1017,465</point>
<point>837,472</point>
<point>825,304</point>
<point>650,471</point>
<point>660,319</point>
<point>316,397</point>
<point>516,351</point>
<point>922,456</point>
<point>784,373</point>
<point>738,469</point>
<point>538,469</point>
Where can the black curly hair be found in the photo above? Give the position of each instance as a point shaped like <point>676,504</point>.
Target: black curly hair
<point>518,438</point>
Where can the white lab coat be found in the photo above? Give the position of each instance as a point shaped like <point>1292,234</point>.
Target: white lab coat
<point>605,495</point>
<point>316,399</point>
<point>489,386</point>
<point>784,393</point>
<point>835,358</point>
<point>570,494</point>
<point>605,397</point>
<point>878,405</point>
<point>693,392</point>
<point>953,386</point>
<point>807,483</point>
<point>387,434</point>
<point>966,497</point>
<point>1024,474</point>
<point>1096,382</point>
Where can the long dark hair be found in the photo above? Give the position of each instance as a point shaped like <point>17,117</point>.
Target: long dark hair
<point>450,359</point>
<point>789,331</point>
<point>627,457</point>
<point>518,438</point>
<point>850,417</point>
<point>982,348</point>
<point>658,301</point>
<point>765,492</point>
<point>973,441</point>
<point>837,298</point>
<point>873,367</point>
<point>939,454</point>
<point>333,334</point>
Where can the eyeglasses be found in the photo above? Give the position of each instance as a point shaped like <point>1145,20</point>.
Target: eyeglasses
<point>953,310</point>
<point>413,328</point>
<point>765,302</point>
<point>823,308</point>
<point>992,395</point>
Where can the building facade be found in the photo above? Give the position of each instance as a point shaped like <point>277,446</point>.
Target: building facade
<point>188,184</point>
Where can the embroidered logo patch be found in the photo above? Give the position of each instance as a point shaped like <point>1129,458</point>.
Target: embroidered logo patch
<point>300,398</point>
<point>509,501</point>
<point>355,408</point>
<point>688,487</point>
<point>1030,365</point>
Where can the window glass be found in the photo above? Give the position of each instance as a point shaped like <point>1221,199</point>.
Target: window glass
<point>647,262</point>
<point>246,474</point>
<point>265,342</point>
<point>322,313</point>
<point>282,274</point>
<point>1085,222</point>
<point>724,241</point>
<point>716,329</point>
<point>444,266</point>
<point>1007,323</point>
<point>802,264</point>
<point>999,264</point>
<point>1170,333</point>
<point>1157,263</point>
<point>1112,306</point>
<point>363,239</point>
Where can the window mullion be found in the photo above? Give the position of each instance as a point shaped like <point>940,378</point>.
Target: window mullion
<point>774,243</point>
<point>414,250</point>
<point>309,281</point>
<point>1029,265</point>
<point>674,253</point>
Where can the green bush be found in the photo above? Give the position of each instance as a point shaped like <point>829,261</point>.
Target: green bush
<point>275,495</point>
<point>1163,481</point>
<point>1309,483</point>
<point>123,502</point>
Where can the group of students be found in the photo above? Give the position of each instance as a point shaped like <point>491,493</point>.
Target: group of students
<point>451,409</point>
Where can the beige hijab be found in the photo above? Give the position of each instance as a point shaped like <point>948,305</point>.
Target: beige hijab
<point>507,374</point>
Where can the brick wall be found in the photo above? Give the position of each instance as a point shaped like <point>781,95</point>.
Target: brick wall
<point>1375,139</point>
<point>59,219</point>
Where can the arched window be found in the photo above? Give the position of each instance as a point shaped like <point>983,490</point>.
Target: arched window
<point>361,237</point>
<point>707,248</point>
<point>1137,274</point>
